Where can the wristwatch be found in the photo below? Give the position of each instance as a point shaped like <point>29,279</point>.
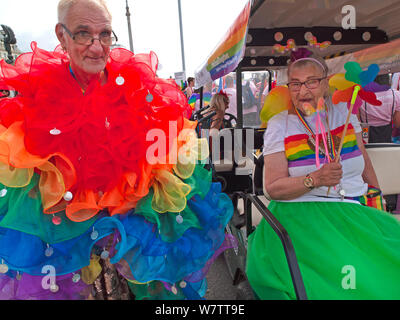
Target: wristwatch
<point>308,182</point>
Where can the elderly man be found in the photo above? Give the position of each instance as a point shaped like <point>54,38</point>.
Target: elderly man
<point>84,203</point>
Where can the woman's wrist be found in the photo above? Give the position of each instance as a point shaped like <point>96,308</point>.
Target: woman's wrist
<point>315,177</point>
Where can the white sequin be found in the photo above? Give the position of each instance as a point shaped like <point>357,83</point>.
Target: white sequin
<point>68,196</point>
<point>120,80</point>
<point>3,193</point>
<point>55,132</point>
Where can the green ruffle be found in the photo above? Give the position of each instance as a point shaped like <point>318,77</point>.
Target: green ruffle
<point>169,229</point>
<point>21,209</point>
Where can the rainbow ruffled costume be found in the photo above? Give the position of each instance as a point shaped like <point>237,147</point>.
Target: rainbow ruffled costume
<point>113,172</point>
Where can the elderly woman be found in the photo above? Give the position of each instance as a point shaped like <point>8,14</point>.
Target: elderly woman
<point>345,250</point>
<point>96,192</point>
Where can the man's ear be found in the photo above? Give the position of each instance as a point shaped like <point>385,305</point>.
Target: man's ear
<point>60,35</point>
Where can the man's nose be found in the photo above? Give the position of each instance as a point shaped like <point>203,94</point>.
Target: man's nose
<point>96,45</point>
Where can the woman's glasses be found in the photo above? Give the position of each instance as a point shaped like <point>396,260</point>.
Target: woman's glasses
<point>310,84</point>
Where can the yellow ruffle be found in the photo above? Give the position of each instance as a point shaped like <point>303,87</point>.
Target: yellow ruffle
<point>92,271</point>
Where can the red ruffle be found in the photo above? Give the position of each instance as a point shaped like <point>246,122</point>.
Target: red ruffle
<point>103,132</point>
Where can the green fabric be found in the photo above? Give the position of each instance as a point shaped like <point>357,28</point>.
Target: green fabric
<point>344,251</point>
<point>169,229</point>
<point>154,290</point>
<point>21,209</point>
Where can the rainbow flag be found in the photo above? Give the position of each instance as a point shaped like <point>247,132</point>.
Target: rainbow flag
<point>193,98</point>
<point>229,51</point>
<point>206,99</point>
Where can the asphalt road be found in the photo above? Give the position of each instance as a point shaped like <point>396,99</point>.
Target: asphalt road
<point>220,285</point>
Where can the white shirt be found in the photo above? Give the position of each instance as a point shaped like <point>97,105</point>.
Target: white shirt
<point>286,133</point>
<point>231,93</point>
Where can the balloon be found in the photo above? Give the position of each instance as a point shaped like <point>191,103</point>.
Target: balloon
<point>339,81</point>
<point>353,70</point>
<point>276,101</point>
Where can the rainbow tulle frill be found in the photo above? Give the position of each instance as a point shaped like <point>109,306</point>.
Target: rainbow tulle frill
<point>119,167</point>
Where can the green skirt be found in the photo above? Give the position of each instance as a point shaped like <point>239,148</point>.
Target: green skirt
<point>344,251</point>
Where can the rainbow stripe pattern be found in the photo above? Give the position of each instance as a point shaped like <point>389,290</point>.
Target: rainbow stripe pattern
<point>299,153</point>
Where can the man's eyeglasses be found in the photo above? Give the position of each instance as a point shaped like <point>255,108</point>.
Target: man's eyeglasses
<point>85,38</point>
<point>310,84</point>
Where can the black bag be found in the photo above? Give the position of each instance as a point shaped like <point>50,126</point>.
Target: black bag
<point>379,134</point>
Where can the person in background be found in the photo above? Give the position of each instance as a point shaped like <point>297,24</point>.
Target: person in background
<point>380,120</point>
<point>190,87</point>
<point>230,90</point>
<point>219,103</point>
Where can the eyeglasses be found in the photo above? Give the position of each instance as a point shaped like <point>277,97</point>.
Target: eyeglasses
<point>310,84</point>
<point>85,38</point>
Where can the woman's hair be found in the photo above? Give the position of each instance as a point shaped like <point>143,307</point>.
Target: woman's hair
<point>218,102</point>
<point>65,5</point>
<point>307,57</point>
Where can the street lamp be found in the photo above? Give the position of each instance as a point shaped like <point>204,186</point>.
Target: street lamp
<point>128,17</point>
<point>181,30</point>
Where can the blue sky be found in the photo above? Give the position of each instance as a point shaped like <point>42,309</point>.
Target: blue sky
<point>155,27</point>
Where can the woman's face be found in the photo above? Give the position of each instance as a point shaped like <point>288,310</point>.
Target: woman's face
<point>303,94</point>
<point>94,19</point>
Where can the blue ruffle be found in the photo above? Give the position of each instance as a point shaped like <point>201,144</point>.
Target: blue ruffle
<point>140,244</point>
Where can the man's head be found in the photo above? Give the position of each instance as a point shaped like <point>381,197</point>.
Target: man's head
<point>307,81</point>
<point>81,19</point>
<point>190,81</point>
<point>229,81</point>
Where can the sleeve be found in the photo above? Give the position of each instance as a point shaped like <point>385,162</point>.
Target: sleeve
<point>274,135</point>
<point>396,100</point>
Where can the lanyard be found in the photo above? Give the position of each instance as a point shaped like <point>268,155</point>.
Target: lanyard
<point>332,151</point>
<point>73,75</point>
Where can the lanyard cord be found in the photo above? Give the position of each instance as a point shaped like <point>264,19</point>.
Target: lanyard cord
<point>332,153</point>
<point>73,75</point>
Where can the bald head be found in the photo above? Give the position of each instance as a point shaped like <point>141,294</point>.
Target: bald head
<point>64,6</point>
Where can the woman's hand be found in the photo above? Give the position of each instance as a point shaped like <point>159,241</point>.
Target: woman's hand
<point>328,175</point>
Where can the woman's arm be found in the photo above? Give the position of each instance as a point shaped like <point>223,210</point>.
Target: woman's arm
<point>280,186</point>
<point>368,175</point>
<point>396,119</point>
